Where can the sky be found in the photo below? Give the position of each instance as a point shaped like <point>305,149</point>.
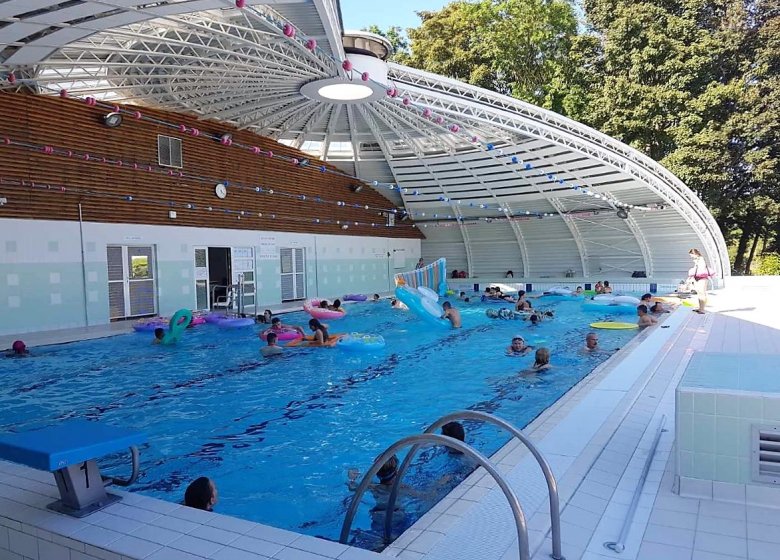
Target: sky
<point>358,14</point>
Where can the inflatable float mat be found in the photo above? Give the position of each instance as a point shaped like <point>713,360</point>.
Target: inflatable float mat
<point>613,325</point>
<point>307,341</point>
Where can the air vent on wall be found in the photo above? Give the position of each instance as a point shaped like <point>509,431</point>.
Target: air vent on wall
<point>766,454</point>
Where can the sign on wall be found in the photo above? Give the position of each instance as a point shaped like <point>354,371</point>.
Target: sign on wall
<point>267,248</point>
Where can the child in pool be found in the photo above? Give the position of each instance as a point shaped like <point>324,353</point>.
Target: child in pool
<point>272,349</point>
<point>159,334</point>
<point>542,361</point>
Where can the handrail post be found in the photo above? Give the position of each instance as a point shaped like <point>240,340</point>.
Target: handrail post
<point>428,439</point>
<point>552,485</point>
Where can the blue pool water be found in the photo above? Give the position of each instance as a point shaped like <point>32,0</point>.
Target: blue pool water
<point>279,435</point>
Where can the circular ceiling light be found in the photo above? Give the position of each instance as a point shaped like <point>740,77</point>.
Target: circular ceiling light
<point>345,92</point>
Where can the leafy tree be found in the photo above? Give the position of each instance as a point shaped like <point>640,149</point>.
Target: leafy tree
<point>516,47</point>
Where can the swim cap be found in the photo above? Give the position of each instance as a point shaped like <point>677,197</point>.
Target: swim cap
<point>19,346</point>
<point>518,337</point>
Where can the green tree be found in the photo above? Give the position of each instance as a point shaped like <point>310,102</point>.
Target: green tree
<point>516,47</point>
<point>694,84</point>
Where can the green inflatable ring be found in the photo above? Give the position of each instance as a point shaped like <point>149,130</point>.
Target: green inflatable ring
<point>179,323</point>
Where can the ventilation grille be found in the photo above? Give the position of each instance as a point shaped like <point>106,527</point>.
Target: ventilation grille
<point>766,454</point>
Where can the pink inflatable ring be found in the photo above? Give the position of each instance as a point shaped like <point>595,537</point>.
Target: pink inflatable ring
<point>282,334</point>
<point>312,307</point>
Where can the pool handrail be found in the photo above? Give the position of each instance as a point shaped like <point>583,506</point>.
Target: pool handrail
<point>428,439</point>
<point>552,485</point>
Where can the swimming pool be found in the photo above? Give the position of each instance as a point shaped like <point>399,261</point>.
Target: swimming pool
<point>279,435</point>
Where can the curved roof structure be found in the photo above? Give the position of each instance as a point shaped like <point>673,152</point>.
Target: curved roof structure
<point>481,173</point>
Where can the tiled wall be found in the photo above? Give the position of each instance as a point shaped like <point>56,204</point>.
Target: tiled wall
<point>714,431</point>
<point>42,285</point>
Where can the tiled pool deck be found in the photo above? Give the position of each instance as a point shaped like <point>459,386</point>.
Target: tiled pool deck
<point>596,438</point>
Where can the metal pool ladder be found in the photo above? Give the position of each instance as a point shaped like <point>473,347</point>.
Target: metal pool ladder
<point>429,438</point>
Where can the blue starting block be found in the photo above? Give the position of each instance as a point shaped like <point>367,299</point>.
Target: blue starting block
<point>68,450</point>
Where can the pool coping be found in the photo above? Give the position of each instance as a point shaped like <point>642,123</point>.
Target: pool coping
<point>178,532</point>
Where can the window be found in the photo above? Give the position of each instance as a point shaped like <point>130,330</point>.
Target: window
<point>169,151</point>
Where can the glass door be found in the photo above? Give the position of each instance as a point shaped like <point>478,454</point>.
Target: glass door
<point>201,278</point>
<point>132,288</point>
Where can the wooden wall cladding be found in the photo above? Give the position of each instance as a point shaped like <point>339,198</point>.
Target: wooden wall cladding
<point>71,124</point>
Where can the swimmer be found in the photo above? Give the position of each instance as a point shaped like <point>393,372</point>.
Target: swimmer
<point>324,304</point>
<point>201,494</point>
<point>462,295</point>
<point>518,347</point>
<point>386,475</point>
<point>159,334</point>
<point>278,327</point>
<point>375,298</point>
<point>542,360</point>
<point>396,304</point>
<point>599,287</point>
<point>272,349</point>
<point>591,342</point>
<point>18,350</point>
<point>336,306</point>
<point>321,335</point>
<point>607,287</point>
<point>452,314</point>
<point>655,308</point>
<point>455,431</point>
<point>645,320</point>
<point>579,291</point>
<point>265,317</point>
<point>535,319</point>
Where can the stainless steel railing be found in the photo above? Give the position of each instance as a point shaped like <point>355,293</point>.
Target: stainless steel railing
<point>552,485</point>
<point>429,439</point>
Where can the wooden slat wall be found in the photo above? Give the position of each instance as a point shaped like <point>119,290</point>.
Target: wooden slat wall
<point>71,124</point>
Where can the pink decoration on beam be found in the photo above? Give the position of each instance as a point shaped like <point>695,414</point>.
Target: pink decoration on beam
<point>63,93</point>
<point>117,109</point>
<point>347,65</point>
<point>454,128</point>
<point>406,101</point>
<point>270,154</point>
<point>11,78</point>
<point>392,92</point>
<point>439,120</point>
<point>240,4</point>
<point>311,44</point>
<point>91,101</point>
<point>255,150</point>
<point>288,30</point>
<point>427,113</point>
<point>182,129</point>
<point>365,77</point>
<point>137,115</point>
<point>294,161</point>
<point>474,139</point>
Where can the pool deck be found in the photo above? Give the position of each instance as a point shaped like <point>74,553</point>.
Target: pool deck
<point>596,439</point>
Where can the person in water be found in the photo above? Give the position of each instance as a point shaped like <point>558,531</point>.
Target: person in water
<point>159,334</point>
<point>265,317</point>
<point>273,349</point>
<point>324,304</point>
<point>591,342</point>
<point>321,335</point>
<point>607,287</point>
<point>201,494</point>
<point>599,287</point>
<point>278,327</point>
<point>542,360</point>
<point>336,306</point>
<point>452,314</point>
<point>645,319</point>
<point>579,291</point>
<point>18,350</point>
<point>375,298</point>
<point>518,347</point>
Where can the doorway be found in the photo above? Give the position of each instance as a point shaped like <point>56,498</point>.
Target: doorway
<point>132,288</point>
<point>220,276</point>
<point>225,279</point>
